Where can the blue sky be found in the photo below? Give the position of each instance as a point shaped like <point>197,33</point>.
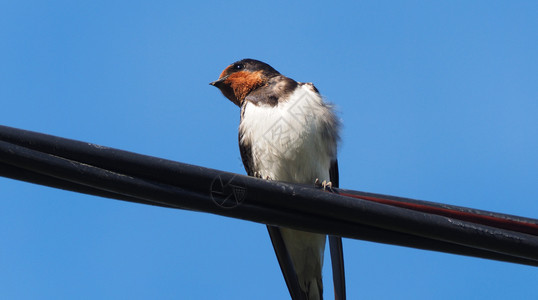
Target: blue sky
<point>439,101</point>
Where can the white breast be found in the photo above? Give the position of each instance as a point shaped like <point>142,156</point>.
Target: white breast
<point>293,141</point>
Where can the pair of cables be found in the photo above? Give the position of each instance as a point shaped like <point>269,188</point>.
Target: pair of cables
<point>106,172</point>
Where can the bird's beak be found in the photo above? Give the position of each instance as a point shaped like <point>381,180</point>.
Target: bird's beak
<point>218,82</point>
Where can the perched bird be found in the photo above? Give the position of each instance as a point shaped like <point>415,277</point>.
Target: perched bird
<point>288,133</point>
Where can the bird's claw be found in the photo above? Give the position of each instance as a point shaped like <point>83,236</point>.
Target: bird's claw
<point>259,175</point>
<point>325,185</point>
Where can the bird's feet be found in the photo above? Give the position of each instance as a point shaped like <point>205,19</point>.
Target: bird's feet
<point>325,185</point>
<point>259,175</point>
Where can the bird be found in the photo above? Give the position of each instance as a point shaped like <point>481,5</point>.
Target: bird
<point>287,132</point>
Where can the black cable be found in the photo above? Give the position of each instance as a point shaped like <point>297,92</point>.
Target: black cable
<point>112,173</point>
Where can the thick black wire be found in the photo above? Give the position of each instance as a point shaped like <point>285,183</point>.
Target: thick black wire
<point>163,170</point>
<point>166,171</point>
<point>72,165</point>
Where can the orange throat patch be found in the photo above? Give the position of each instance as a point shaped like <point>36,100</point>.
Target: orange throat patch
<point>243,83</point>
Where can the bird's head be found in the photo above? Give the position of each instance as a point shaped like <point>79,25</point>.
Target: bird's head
<point>243,77</point>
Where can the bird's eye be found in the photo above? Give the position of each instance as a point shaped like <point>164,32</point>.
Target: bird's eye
<point>238,66</point>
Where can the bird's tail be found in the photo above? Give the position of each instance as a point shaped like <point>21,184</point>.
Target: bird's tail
<point>300,255</point>
<point>315,289</point>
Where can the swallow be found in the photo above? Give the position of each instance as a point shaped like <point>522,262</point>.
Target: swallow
<point>288,133</point>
